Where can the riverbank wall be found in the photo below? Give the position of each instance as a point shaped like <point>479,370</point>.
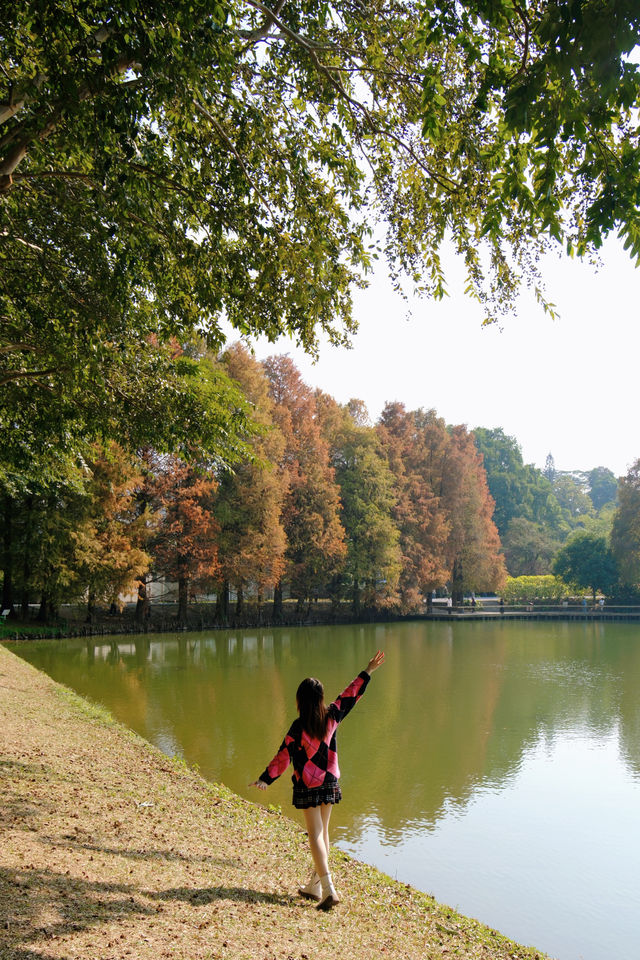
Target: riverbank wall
<point>109,850</point>
<point>202,618</point>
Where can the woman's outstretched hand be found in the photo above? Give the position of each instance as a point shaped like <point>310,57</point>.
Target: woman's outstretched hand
<point>375,662</point>
<point>260,784</point>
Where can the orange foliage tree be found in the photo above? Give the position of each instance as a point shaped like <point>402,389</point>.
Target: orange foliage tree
<point>249,500</point>
<point>316,546</point>
<point>185,541</point>
<point>109,539</point>
<point>414,443</point>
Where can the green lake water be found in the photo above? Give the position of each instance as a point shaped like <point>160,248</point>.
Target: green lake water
<point>494,765</point>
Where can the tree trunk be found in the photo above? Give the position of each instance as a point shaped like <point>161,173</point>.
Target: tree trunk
<point>457,586</point>
<point>91,606</point>
<point>239,602</point>
<point>7,557</point>
<point>142,603</point>
<point>183,599</point>
<point>355,599</point>
<point>222,603</point>
<point>277,602</point>
<point>45,606</point>
<point>26,556</point>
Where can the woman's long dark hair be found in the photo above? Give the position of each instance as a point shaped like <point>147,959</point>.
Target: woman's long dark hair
<point>313,713</point>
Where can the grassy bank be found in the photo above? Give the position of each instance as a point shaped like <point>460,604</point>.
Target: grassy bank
<point>109,850</point>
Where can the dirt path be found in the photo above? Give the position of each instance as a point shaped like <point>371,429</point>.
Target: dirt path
<point>108,851</point>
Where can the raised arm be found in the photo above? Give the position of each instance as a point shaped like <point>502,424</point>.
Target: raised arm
<point>347,700</point>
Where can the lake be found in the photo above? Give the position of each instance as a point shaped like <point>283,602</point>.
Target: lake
<point>495,765</point>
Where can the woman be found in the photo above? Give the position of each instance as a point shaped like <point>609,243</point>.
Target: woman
<point>310,745</point>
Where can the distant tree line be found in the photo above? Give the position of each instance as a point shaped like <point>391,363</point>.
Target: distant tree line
<point>319,503</point>
<point>581,526</point>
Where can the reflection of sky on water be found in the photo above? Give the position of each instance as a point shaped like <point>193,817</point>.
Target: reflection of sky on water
<point>531,848</point>
<point>496,766</point>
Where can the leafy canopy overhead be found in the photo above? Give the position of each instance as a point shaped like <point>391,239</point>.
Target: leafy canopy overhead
<point>167,167</point>
<point>224,158</point>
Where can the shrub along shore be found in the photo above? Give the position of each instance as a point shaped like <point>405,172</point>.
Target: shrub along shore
<point>111,850</point>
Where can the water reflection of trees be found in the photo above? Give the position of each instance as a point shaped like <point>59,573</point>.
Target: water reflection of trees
<point>454,709</point>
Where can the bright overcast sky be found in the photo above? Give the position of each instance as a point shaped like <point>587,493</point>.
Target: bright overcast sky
<point>567,387</point>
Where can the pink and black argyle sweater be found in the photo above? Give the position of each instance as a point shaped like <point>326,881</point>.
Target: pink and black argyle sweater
<point>315,762</point>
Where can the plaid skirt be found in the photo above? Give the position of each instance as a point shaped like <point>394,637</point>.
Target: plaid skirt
<point>305,797</point>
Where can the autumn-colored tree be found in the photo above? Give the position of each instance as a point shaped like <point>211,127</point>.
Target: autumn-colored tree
<point>473,545</point>
<point>109,554</point>
<point>316,547</point>
<point>248,504</point>
<point>414,444</point>
<point>185,544</point>
<point>372,568</point>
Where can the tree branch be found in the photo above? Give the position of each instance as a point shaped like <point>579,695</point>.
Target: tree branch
<point>27,375</point>
<point>333,76</point>
<point>19,151</point>
<point>223,136</point>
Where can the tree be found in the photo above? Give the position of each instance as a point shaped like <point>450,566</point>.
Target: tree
<point>572,497</point>
<point>587,562</point>
<point>528,548</point>
<point>625,534</point>
<point>184,545</point>
<point>550,468</point>
<point>311,512</point>
<point>519,490</point>
<point>603,486</point>
<point>415,444</point>
<point>161,171</point>
<point>473,548</point>
<point>109,557</point>
<point>107,532</point>
<point>373,562</point>
<point>249,500</point>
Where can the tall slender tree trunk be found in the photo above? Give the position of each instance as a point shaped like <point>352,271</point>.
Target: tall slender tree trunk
<point>355,598</point>
<point>142,603</point>
<point>45,608</point>
<point>222,603</point>
<point>26,556</point>
<point>259,611</point>
<point>91,606</point>
<point>277,602</point>
<point>183,599</point>
<point>7,557</point>
<point>239,601</point>
<point>457,585</point>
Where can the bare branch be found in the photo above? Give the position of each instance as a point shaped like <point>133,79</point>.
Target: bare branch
<point>223,136</point>
<point>10,236</point>
<point>27,375</point>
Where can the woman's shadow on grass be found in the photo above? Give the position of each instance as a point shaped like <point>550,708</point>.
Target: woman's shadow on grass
<point>27,894</point>
<point>199,896</point>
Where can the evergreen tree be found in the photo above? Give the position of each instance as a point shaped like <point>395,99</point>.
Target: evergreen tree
<point>625,534</point>
<point>249,500</point>
<point>373,562</point>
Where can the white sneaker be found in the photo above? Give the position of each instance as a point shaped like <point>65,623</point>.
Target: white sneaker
<point>313,889</point>
<point>328,895</point>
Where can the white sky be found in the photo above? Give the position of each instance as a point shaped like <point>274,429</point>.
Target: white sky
<point>567,387</point>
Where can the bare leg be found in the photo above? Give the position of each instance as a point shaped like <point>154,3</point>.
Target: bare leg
<point>325,813</point>
<point>315,831</point>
